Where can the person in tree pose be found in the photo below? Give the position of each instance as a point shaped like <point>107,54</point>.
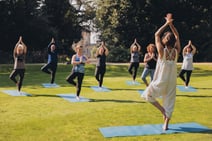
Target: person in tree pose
<point>101,54</point>
<point>150,60</point>
<point>51,66</point>
<point>188,52</point>
<point>164,81</point>
<point>78,61</point>
<point>134,61</point>
<point>19,54</point>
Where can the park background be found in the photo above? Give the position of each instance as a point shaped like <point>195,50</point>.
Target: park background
<point>117,22</point>
<point>44,116</point>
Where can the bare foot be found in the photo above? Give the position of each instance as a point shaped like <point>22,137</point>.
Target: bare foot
<point>166,123</point>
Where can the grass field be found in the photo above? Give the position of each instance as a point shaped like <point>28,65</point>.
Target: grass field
<point>46,117</point>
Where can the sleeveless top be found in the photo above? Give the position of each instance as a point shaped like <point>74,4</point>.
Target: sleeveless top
<point>101,60</point>
<point>134,57</point>
<point>188,61</point>
<point>151,64</point>
<point>19,61</point>
<point>79,67</point>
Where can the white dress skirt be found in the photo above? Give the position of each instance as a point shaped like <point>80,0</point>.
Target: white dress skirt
<point>164,83</point>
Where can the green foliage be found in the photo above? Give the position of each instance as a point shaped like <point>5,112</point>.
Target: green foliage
<point>121,21</point>
<point>38,21</point>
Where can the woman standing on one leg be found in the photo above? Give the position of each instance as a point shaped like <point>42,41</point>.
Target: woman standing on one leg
<point>164,81</point>
<point>188,52</point>
<point>51,66</point>
<point>101,54</point>
<point>150,59</point>
<point>78,61</point>
<point>134,61</point>
<point>19,55</point>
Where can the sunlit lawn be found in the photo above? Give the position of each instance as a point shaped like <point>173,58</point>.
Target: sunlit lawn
<point>46,117</point>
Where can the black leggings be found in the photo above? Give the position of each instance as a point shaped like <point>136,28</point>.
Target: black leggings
<point>188,75</point>
<point>99,74</point>
<point>78,85</point>
<point>13,75</point>
<point>134,65</point>
<point>53,68</point>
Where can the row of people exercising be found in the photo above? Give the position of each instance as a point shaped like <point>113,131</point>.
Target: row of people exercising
<point>163,83</point>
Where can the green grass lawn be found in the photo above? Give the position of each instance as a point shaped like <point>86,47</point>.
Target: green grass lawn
<point>46,117</point>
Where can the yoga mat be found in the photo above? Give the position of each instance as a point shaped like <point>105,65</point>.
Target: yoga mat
<point>152,129</point>
<point>140,92</point>
<point>16,93</point>
<point>72,98</point>
<point>188,89</point>
<point>100,89</point>
<point>132,83</point>
<point>49,85</point>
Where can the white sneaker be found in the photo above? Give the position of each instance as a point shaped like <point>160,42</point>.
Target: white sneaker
<point>19,92</point>
<point>77,97</point>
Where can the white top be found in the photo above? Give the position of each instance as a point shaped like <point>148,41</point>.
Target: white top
<point>188,61</point>
<point>164,82</point>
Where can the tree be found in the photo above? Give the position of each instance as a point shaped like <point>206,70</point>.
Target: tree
<point>121,21</point>
<point>16,20</point>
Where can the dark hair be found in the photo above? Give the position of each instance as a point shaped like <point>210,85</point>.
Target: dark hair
<point>170,39</point>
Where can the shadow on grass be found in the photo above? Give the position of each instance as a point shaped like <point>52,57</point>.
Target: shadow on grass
<point>193,130</point>
<point>115,100</point>
<point>203,88</point>
<point>197,96</point>
<point>44,95</point>
<point>116,89</point>
<point>119,89</point>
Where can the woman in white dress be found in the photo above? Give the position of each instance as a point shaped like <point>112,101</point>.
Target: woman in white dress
<point>164,81</point>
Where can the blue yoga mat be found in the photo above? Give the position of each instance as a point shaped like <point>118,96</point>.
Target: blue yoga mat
<point>188,89</point>
<point>132,83</point>
<point>152,129</point>
<point>49,85</point>
<point>15,93</point>
<point>100,89</point>
<point>72,98</point>
<point>140,92</point>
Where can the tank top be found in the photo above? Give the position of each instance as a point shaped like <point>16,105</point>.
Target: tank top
<point>101,60</point>
<point>19,61</point>
<point>188,61</point>
<point>151,64</point>
<point>79,67</point>
<point>134,57</point>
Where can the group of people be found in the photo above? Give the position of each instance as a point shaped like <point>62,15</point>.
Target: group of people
<point>78,61</point>
<point>161,66</point>
<point>150,61</point>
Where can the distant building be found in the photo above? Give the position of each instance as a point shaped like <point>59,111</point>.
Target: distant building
<point>86,43</point>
